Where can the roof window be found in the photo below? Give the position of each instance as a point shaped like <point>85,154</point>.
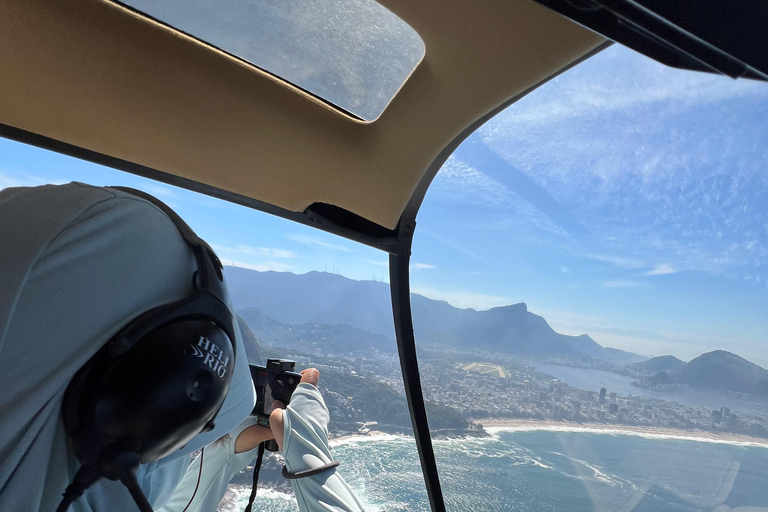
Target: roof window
<point>353,54</point>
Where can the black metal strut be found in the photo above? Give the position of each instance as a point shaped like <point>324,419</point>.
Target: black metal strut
<point>400,286</point>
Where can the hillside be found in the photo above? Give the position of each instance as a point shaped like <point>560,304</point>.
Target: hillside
<point>331,300</point>
<point>351,399</point>
<point>724,371</point>
<point>660,364</point>
<point>315,297</point>
<point>338,338</point>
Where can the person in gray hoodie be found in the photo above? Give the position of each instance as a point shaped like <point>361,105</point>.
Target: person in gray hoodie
<point>77,263</point>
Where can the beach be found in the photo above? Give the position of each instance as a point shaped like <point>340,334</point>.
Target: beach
<point>492,425</point>
<point>511,425</point>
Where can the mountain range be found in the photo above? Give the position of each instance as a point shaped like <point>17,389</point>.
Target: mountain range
<point>341,315</point>
<point>660,364</point>
<point>722,370</point>
<point>333,338</point>
<point>718,370</point>
<point>323,301</point>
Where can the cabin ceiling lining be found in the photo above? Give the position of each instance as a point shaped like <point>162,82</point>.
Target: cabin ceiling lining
<point>96,75</point>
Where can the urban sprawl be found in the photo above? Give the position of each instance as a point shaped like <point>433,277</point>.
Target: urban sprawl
<point>511,389</point>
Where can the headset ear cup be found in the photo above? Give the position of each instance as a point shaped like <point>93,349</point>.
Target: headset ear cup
<point>154,398</point>
<point>77,408</point>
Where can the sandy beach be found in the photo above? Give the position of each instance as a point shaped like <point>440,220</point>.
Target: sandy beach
<point>521,425</point>
<point>492,425</point>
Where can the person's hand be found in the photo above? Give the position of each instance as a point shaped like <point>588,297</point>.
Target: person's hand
<point>254,435</point>
<point>310,376</point>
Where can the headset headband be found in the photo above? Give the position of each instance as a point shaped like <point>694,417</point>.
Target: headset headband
<point>208,280</point>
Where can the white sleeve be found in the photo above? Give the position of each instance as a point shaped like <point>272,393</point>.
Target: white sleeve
<point>305,446</point>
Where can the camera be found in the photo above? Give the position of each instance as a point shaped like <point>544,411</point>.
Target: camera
<point>275,381</point>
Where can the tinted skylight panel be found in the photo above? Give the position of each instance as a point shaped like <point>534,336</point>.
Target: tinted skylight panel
<point>354,54</point>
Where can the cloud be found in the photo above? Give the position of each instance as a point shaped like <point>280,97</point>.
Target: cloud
<point>378,263</point>
<point>158,190</point>
<point>268,252</point>
<point>20,179</point>
<point>420,266</point>
<point>458,181</point>
<point>317,242</point>
<point>451,241</point>
<point>660,270</point>
<point>263,266</point>
<point>463,299</point>
<point>624,284</point>
<point>564,270</point>
<point>619,261</point>
<point>658,164</point>
<point>248,252</point>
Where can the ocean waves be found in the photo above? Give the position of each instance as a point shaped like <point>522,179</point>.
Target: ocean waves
<point>555,469</point>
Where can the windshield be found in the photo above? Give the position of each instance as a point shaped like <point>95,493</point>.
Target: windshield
<point>591,271</point>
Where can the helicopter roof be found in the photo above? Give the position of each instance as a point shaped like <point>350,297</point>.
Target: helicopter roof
<point>99,76</point>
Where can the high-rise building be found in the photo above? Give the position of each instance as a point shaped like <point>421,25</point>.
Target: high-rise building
<point>359,365</point>
<point>613,408</point>
<point>613,398</point>
<point>576,410</point>
<point>602,395</point>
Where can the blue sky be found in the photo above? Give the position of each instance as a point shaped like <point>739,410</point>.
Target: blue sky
<point>624,200</point>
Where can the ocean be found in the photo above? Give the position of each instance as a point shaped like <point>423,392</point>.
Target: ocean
<point>545,470</point>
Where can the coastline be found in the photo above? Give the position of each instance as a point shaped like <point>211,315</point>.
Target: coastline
<point>346,437</point>
<point>523,425</point>
<point>493,425</point>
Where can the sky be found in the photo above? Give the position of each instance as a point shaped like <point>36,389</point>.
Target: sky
<point>624,199</point>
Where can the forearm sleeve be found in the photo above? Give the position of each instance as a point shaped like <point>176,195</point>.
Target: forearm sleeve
<point>305,446</point>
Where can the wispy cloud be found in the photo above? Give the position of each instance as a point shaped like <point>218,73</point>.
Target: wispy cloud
<point>317,242</point>
<point>161,191</point>
<point>624,284</point>
<point>421,266</point>
<point>463,299</point>
<point>263,266</point>
<point>378,263</point>
<point>661,269</point>
<point>564,270</point>
<point>453,242</point>
<point>458,181</point>
<point>618,261</point>
<point>267,252</point>
<point>658,164</point>
<point>20,179</point>
<point>254,258</point>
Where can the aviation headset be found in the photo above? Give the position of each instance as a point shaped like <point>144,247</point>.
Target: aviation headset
<point>157,383</point>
